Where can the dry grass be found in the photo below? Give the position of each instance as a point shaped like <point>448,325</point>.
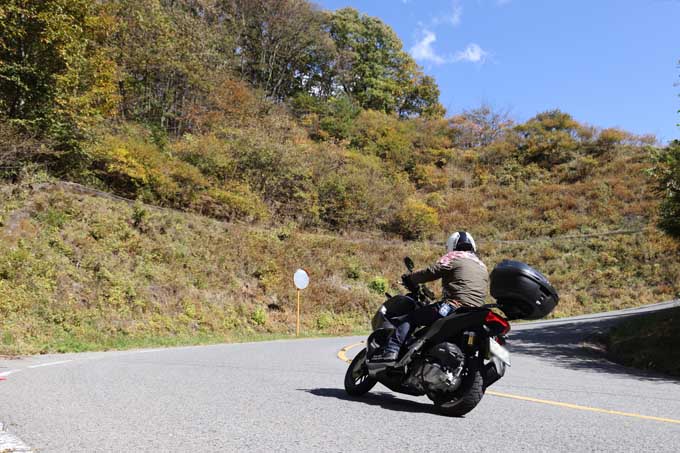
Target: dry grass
<point>81,272</point>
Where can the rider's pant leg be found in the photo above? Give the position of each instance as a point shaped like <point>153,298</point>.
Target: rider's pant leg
<point>421,317</point>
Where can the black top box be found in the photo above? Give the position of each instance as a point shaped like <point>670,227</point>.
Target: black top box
<point>521,291</point>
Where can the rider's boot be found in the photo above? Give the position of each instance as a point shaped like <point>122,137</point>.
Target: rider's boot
<point>385,357</point>
<point>390,354</point>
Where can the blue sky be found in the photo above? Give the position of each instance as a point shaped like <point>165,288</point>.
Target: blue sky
<point>609,63</point>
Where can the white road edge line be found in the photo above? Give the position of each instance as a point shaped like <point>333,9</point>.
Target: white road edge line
<point>10,443</point>
<point>145,351</point>
<point>7,373</point>
<point>49,364</point>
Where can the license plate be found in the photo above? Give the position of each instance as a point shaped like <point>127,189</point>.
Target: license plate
<point>499,351</point>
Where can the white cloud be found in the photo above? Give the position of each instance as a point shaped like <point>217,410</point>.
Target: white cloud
<point>452,17</point>
<point>472,53</point>
<point>423,51</point>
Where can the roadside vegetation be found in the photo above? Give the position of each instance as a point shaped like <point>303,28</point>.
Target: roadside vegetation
<point>256,137</point>
<point>646,342</point>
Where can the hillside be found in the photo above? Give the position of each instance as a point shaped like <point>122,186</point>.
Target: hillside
<point>259,136</point>
<point>80,271</point>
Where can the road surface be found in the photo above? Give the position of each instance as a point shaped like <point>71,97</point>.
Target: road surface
<point>288,396</point>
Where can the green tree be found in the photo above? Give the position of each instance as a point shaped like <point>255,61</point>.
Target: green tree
<point>172,55</point>
<point>280,45</point>
<point>56,76</point>
<point>373,69</point>
<point>326,118</point>
<point>667,173</point>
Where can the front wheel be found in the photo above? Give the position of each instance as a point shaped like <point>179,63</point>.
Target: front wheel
<point>357,380</point>
<point>466,398</point>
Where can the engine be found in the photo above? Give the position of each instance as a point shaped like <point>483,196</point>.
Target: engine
<point>439,371</point>
<point>437,378</point>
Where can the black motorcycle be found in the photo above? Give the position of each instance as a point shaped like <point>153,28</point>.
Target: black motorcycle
<point>455,359</point>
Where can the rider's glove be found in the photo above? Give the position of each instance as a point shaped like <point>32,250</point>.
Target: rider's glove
<point>406,281</point>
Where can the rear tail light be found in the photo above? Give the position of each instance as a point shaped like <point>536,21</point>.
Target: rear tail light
<point>492,319</point>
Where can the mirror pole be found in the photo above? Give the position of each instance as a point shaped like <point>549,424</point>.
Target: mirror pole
<point>297,328</point>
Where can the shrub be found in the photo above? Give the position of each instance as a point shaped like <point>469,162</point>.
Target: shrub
<point>429,178</point>
<point>608,139</point>
<point>383,135</point>
<point>237,202</point>
<point>19,149</point>
<point>416,220</point>
<point>358,191</point>
<point>132,165</point>
<point>548,139</point>
<point>579,169</point>
<point>280,173</point>
<point>259,317</point>
<point>324,321</point>
<point>353,271</point>
<point>326,118</point>
<point>378,285</point>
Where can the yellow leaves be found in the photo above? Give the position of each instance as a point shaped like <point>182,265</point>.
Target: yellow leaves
<point>236,202</point>
<point>416,220</point>
<point>429,178</point>
<point>123,162</point>
<point>138,168</point>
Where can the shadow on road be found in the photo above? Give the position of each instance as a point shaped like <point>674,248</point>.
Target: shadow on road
<point>572,346</point>
<point>381,399</point>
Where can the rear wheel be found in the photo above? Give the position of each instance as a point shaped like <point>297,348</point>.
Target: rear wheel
<point>466,398</point>
<point>357,380</point>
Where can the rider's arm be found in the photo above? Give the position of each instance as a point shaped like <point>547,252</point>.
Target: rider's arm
<point>434,272</point>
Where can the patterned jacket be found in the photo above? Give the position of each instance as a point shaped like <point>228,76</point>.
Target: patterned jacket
<point>465,279</point>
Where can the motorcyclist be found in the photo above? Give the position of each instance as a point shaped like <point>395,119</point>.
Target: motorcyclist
<point>465,282</point>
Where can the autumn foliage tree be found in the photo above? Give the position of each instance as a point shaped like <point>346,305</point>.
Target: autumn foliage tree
<point>56,73</point>
<point>263,110</point>
<point>171,56</point>
<point>548,139</point>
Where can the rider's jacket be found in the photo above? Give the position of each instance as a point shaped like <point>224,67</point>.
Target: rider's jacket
<point>465,279</point>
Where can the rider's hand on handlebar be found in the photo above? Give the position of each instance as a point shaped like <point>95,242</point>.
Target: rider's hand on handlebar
<point>406,281</point>
<point>428,293</point>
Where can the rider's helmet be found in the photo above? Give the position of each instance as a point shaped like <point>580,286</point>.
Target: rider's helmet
<point>461,240</point>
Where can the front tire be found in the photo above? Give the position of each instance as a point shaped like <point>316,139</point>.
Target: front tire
<point>466,398</point>
<point>357,380</point>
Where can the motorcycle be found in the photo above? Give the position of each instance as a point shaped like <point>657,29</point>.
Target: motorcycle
<point>454,360</point>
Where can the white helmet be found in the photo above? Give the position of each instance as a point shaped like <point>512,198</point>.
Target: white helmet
<point>461,240</point>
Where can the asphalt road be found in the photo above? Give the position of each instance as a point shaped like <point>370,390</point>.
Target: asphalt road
<point>288,396</point>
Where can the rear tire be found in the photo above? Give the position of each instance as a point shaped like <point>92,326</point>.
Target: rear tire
<point>466,398</point>
<point>357,380</point>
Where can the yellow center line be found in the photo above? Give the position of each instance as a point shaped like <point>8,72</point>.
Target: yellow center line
<point>342,355</point>
<point>583,408</point>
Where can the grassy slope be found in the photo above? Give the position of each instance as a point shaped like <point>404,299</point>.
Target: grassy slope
<point>648,342</point>
<point>81,272</point>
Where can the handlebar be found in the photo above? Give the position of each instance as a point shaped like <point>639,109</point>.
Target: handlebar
<point>422,293</point>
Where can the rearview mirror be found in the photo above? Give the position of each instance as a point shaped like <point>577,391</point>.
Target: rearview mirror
<point>409,264</point>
